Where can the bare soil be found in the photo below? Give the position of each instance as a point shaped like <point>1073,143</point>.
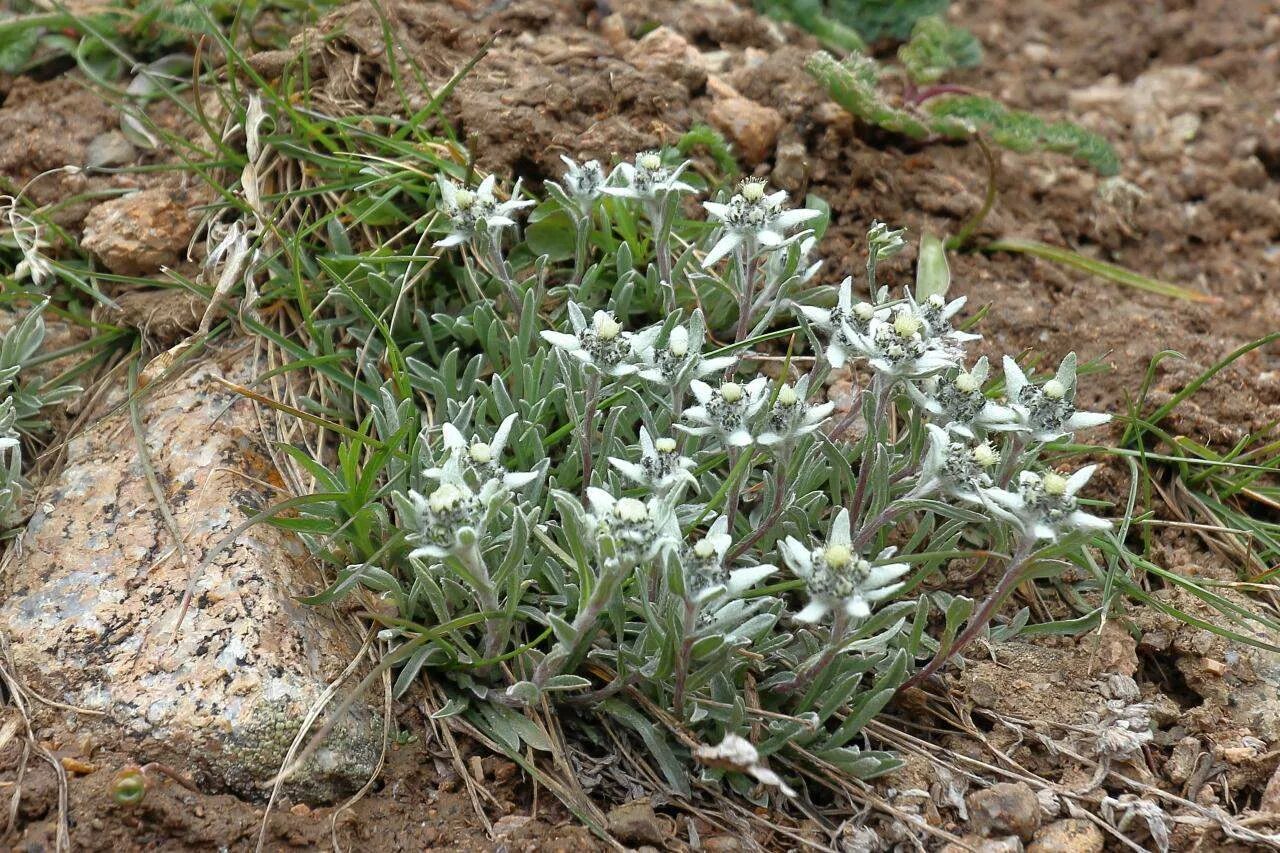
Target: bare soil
<point>1188,90</point>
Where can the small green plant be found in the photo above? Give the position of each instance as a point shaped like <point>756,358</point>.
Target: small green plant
<point>604,493</point>
<point>926,109</point>
<point>852,24</point>
<point>38,34</point>
<point>22,397</point>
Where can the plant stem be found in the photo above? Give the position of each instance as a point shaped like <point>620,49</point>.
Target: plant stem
<point>682,656</point>
<point>881,390</point>
<point>868,530</point>
<point>779,500</point>
<point>581,244</point>
<point>471,557</point>
<point>839,627</point>
<point>735,489</point>
<point>915,96</point>
<point>978,622</point>
<point>583,629</point>
<point>493,249</point>
<point>592,393</point>
<point>746,269</point>
<point>657,210</point>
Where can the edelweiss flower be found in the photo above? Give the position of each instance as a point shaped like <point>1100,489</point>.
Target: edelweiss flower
<point>484,459</point>
<point>836,577</point>
<point>602,344</point>
<point>648,179</point>
<point>958,468</point>
<point>706,575</point>
<point>843,322</point>
<point>583,183</point>
<point>637,530</point>
<point>680,358</point>
<point>791,416</point>
<point>959,403</point>
<point>661,467</point>
<point>754,217</point>
<point>936,312</point>
<point>1048,411</point>
<point>726,412</point>
<point>472,212</point>
<point>901,348</point>
<point>446,519</point>
<point>737,754</point>
<point>1045,505</point>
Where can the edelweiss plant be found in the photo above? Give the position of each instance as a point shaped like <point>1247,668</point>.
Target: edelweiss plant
<point>583,503</point>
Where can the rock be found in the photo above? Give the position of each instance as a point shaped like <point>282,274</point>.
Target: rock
<point>139,233</point>
<point>108,150</point>
<point>791,167</point>
<point>1005,808</point>
<point>636,823</point>
<point>1116,651</point>
<point>1074,835</point>
<point>668,53</point>
<point>91,601</point>
<point>752,128</point>
<point>510,826</point>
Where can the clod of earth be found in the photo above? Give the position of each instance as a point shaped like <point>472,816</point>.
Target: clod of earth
<point>140,233</point>
<point>1074,835</point>
<point>92,601</point>
<point>1005,808</point>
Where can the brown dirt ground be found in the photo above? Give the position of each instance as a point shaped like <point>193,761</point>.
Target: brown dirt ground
<point>1189,91</point>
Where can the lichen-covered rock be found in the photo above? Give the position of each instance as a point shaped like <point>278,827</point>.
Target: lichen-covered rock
<point>93,596</point>
<point>139,233</point>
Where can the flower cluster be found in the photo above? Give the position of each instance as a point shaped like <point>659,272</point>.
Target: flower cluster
<point>601,344</point>
<point>451,517</point>
<point>476,212</point>
<point>837,577</point>
<point>680,452</point>
<point>754,218</point>
<point>631,531</point>
<point>1045,505</point>
<point>647,179</point>
<point>707,575</point>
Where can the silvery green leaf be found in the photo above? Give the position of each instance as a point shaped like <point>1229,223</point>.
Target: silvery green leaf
<point>525,692</point>
<point>933,274</point>
<point>707,646</point>
<point>564,632</point>
<point>409,673</point>
<point>456,705</point>
<point>672,768</point>
<point>566,682</point>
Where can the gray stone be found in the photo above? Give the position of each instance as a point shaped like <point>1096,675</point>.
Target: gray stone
<point>92,598</point>
<point>109,150</point>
